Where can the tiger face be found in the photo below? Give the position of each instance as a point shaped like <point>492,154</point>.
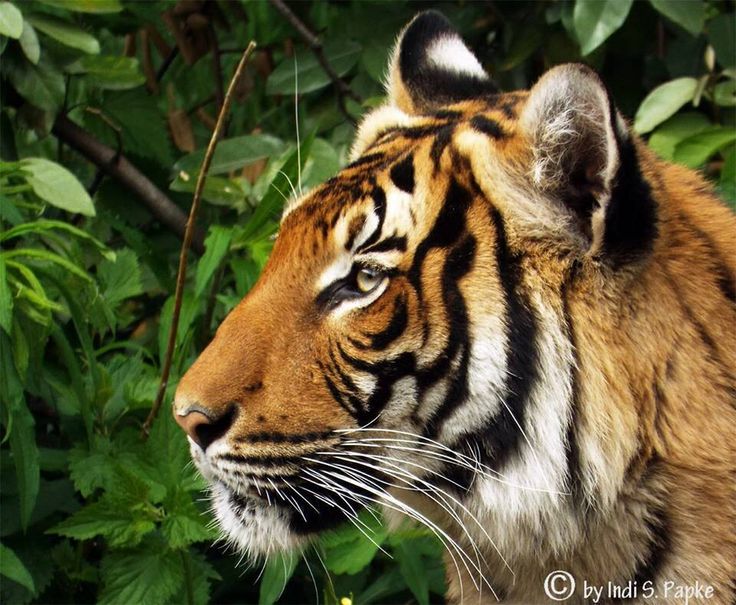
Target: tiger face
<point>446,329</point>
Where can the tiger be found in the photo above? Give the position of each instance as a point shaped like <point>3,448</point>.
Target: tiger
<point>506,319</point>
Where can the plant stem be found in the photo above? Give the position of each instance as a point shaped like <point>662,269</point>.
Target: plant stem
<point>188,234</point>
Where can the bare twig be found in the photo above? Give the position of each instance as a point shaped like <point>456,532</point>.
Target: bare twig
<point>181,275</point>
<point>315,45</point>
<point>118,166</point>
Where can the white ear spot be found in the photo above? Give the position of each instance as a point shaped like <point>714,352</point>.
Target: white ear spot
<point>448,53</point>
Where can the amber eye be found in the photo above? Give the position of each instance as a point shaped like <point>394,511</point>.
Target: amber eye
<point>367,279</point>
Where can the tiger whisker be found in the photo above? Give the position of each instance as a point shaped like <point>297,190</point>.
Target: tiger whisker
<point>402,507</point>
<point>443,494</point>
<point>460,460</point>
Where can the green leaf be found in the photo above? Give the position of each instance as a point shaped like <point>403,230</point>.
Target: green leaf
<point>342,55</point>
<point>6,300</point>
<point>724,94</point>
<point>29,43</point>
<point>216,246</point>
<point>185,524</point>
<point>663,102</point>
<point>41,226</point>
<point>689,14</point>
<point>231,154</point>
<point>25,456</point>
<point>722,35</point>
<point>143,127</point>
<point>121,278</point>
<point>596,20</point>
<point>12,567</point>
<point>56,185</point>
<point>87,6</point>
<point>267,210</point>
<point>190,308</point>
<point>666,137</point>
<point>348,549</point>
<point>66,33</point>
<point>92,469</point>
<point>276,574</point>
<point>413,570</point>
<point>217,190</point>
<point>110,73</point>
<point>41,85</point>
<point>11,21</point>
<point>322,164</point>
<point>116,520</point>
<point>45,255</point>
<point>694,151</point>
<point>148,575</point>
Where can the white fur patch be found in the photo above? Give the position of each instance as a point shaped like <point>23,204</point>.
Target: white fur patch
<point>448,53</point>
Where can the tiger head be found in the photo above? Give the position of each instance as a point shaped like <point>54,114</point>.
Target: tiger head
<point>409,331</point>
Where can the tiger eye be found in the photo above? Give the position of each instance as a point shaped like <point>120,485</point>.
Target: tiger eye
<point>367,279</point>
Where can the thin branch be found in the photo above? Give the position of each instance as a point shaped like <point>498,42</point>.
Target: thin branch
<point>118,166</point>
<point>314,43</point>
<point>183,256</point>
<point>168,60</point>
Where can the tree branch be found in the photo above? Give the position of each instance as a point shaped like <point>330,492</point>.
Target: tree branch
<point>118,167</point>
<point>314,43</point>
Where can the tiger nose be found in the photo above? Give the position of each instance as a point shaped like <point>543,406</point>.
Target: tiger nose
<point>203,427</point>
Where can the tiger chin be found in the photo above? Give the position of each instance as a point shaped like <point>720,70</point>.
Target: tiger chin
<point>506,320</point>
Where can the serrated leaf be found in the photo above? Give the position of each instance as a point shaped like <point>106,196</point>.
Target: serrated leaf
<point>663,102</point>
<point>689,14</point>
<point>694,151</point>
<point>56,185</point>
<point>6,300</point>
<point>121,277</point>
<point>87,6</point>
<point>216,245</point>
<point>92,470</point>
<point>29,43</point>
<point>666,137</point>
<point>231,154</point>
<point>121,522</point>
<point>109,73</point>
<point>11,21</point>
<point>185,524</point>
<point>66,33</point>
<point>276,574</point>
<point>145,576</point>
<point>596,20</point>
<point>310,76</point>
<point>12,567</point>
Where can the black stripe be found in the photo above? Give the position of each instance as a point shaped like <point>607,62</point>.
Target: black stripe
<point>447,229</point>
<point>487,126</point>
<point>396,327</point>
<point>337,395</point>
<point>394,242</point>
<point>402,174</point>
<point>631,214</point>
<point>723,274</point>
<point>573,479</point>
<point>441,141</point>
<point>459,263</point>
<point>503,434</point>
<point>379,206</point>
<point>275,437</point>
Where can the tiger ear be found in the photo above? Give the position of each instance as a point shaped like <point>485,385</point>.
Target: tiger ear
<point>431,67</point>
<point>576,138</point>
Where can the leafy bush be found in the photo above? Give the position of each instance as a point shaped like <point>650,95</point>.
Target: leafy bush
<point>91,511</point>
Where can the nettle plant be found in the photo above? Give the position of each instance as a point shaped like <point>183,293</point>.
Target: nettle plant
<point>91,511</point>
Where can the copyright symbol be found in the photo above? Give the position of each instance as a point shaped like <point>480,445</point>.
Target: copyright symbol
<point>559,585</point>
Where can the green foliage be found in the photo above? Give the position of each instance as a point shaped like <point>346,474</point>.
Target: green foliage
<point>91,512</point>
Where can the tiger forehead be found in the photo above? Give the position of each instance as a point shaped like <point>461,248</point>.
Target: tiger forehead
<point>390,132</point>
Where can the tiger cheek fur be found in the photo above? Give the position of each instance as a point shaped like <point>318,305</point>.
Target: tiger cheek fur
<point>507,320</point>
